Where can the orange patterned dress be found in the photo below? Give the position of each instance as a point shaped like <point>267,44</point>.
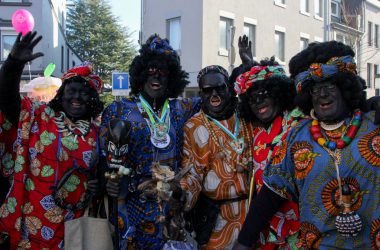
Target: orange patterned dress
<point>218,176</point>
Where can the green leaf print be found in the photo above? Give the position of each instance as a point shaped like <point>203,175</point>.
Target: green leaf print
<point>69,143</point>
<point>47,138</point>
<point>47,171</point>
<point>11,205</point>
<point>29,185</point>
<point>7,125</point>
<point>50,112</point>
<point>72,183</point>
<point>20,160</point>
<point>7,161</point>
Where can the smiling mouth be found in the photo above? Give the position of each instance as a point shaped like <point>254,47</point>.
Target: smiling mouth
<point>262,110</point>
<point>155,86</point>
<point>215,101</point>
<point>325,105</point>
<point>76,104</point>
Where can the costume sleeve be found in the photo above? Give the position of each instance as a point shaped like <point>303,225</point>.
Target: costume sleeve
<point>261,210</point>
<point>10,76</point>
<point>192,106</point>
<point>192,181</point>
<point>279,175</point>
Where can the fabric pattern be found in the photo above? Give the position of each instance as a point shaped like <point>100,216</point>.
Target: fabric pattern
<point>306,174</point>
<point>29,213</point>
<point>212,174</point>
<point>137,217</point>
<point>266,142</point>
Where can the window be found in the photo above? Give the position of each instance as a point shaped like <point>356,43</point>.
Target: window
<point>304,42</point>
<point>10,1</point>
<point>250,32</point>
<point>318,8</point>
<point>377,36</point>
<point>304,6</point>
<point>281,3</point>
<point>369,33</point>
<point>225,25</point>
<point>376,74</point>
<point>279,38</point>
<point>340,38</point>
<point>62,59</point>
<point>173,31</point>
<point>6,45</point>
<point>369,75</point>
<point>335,9</point>
<point>67,58</point>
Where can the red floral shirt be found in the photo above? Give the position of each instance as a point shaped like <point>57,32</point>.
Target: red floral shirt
<point>41,157</point>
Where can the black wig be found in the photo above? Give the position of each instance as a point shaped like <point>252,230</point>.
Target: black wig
<point>352,86</point>
<point>281,89</point>
<point>138,70</point>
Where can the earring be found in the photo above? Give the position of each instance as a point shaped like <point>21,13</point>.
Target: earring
<point>312,114</point>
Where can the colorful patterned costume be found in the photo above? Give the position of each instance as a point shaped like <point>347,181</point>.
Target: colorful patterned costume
<point>304,172</point>
<point>137,217</point>
<point>212,173</point>
<point>42,156</point>
<point>284,224</point>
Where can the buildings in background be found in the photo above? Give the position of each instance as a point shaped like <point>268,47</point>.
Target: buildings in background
<point>205,32</point>
<point>50,22</point>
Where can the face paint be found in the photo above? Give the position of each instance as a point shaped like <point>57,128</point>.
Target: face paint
<point>214,93</point>
<point>263,106</point>
<point>157,81</point>
<point>328,102</point>
<point>117,147</point>
<point>75,99</point>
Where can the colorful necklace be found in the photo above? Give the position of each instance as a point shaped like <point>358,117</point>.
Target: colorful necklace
<point>245,163</point>
<point>348,223</point>
<point>346,139</point>
<point>237,144</point>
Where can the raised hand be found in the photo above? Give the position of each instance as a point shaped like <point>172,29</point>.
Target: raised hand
<point>245,50</point>
<point>22,49</point>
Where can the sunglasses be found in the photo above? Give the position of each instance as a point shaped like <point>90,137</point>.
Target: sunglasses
<point>161,72</point>
<point>219,89</point>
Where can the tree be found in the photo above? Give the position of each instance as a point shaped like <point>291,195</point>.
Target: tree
<point>95,34</point>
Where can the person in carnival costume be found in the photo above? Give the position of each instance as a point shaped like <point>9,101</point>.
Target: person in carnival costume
<point>54,151</point>
<point>330,162</point>
<point>156,118</point>
<point>218,155</point>
<point>266,100</point>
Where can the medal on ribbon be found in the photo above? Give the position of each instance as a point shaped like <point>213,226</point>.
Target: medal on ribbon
<point>237,144</point>
<point>159,126</point>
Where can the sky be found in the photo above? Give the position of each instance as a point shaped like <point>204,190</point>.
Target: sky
<point>128,12</point>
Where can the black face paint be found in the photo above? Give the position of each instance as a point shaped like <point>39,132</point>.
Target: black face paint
<point>263,106</point>
<point>75,100</point>
<point>328,102</point>
<point>117,148</point>
<point>157,82</point>
<point>216,96</point>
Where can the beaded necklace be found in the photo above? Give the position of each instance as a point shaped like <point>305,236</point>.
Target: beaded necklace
<point>348,223</point>
<point>245,163</point>
<point>347,137</point>
<point>80,128</point>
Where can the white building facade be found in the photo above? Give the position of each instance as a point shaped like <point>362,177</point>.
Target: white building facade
<point>50,21</point>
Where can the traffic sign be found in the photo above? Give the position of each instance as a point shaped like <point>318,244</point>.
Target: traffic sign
<point>120,84</point>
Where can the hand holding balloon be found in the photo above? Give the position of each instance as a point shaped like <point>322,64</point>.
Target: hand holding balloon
<point>22,49</point>
<point>22,21</point>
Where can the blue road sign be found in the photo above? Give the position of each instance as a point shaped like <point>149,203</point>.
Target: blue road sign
<point>120,81</point>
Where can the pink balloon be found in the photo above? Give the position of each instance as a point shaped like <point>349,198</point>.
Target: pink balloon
<point>22,21</point>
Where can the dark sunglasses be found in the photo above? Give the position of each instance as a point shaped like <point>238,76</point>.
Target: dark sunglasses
<point>161,72</point>
<point>219,89</point>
